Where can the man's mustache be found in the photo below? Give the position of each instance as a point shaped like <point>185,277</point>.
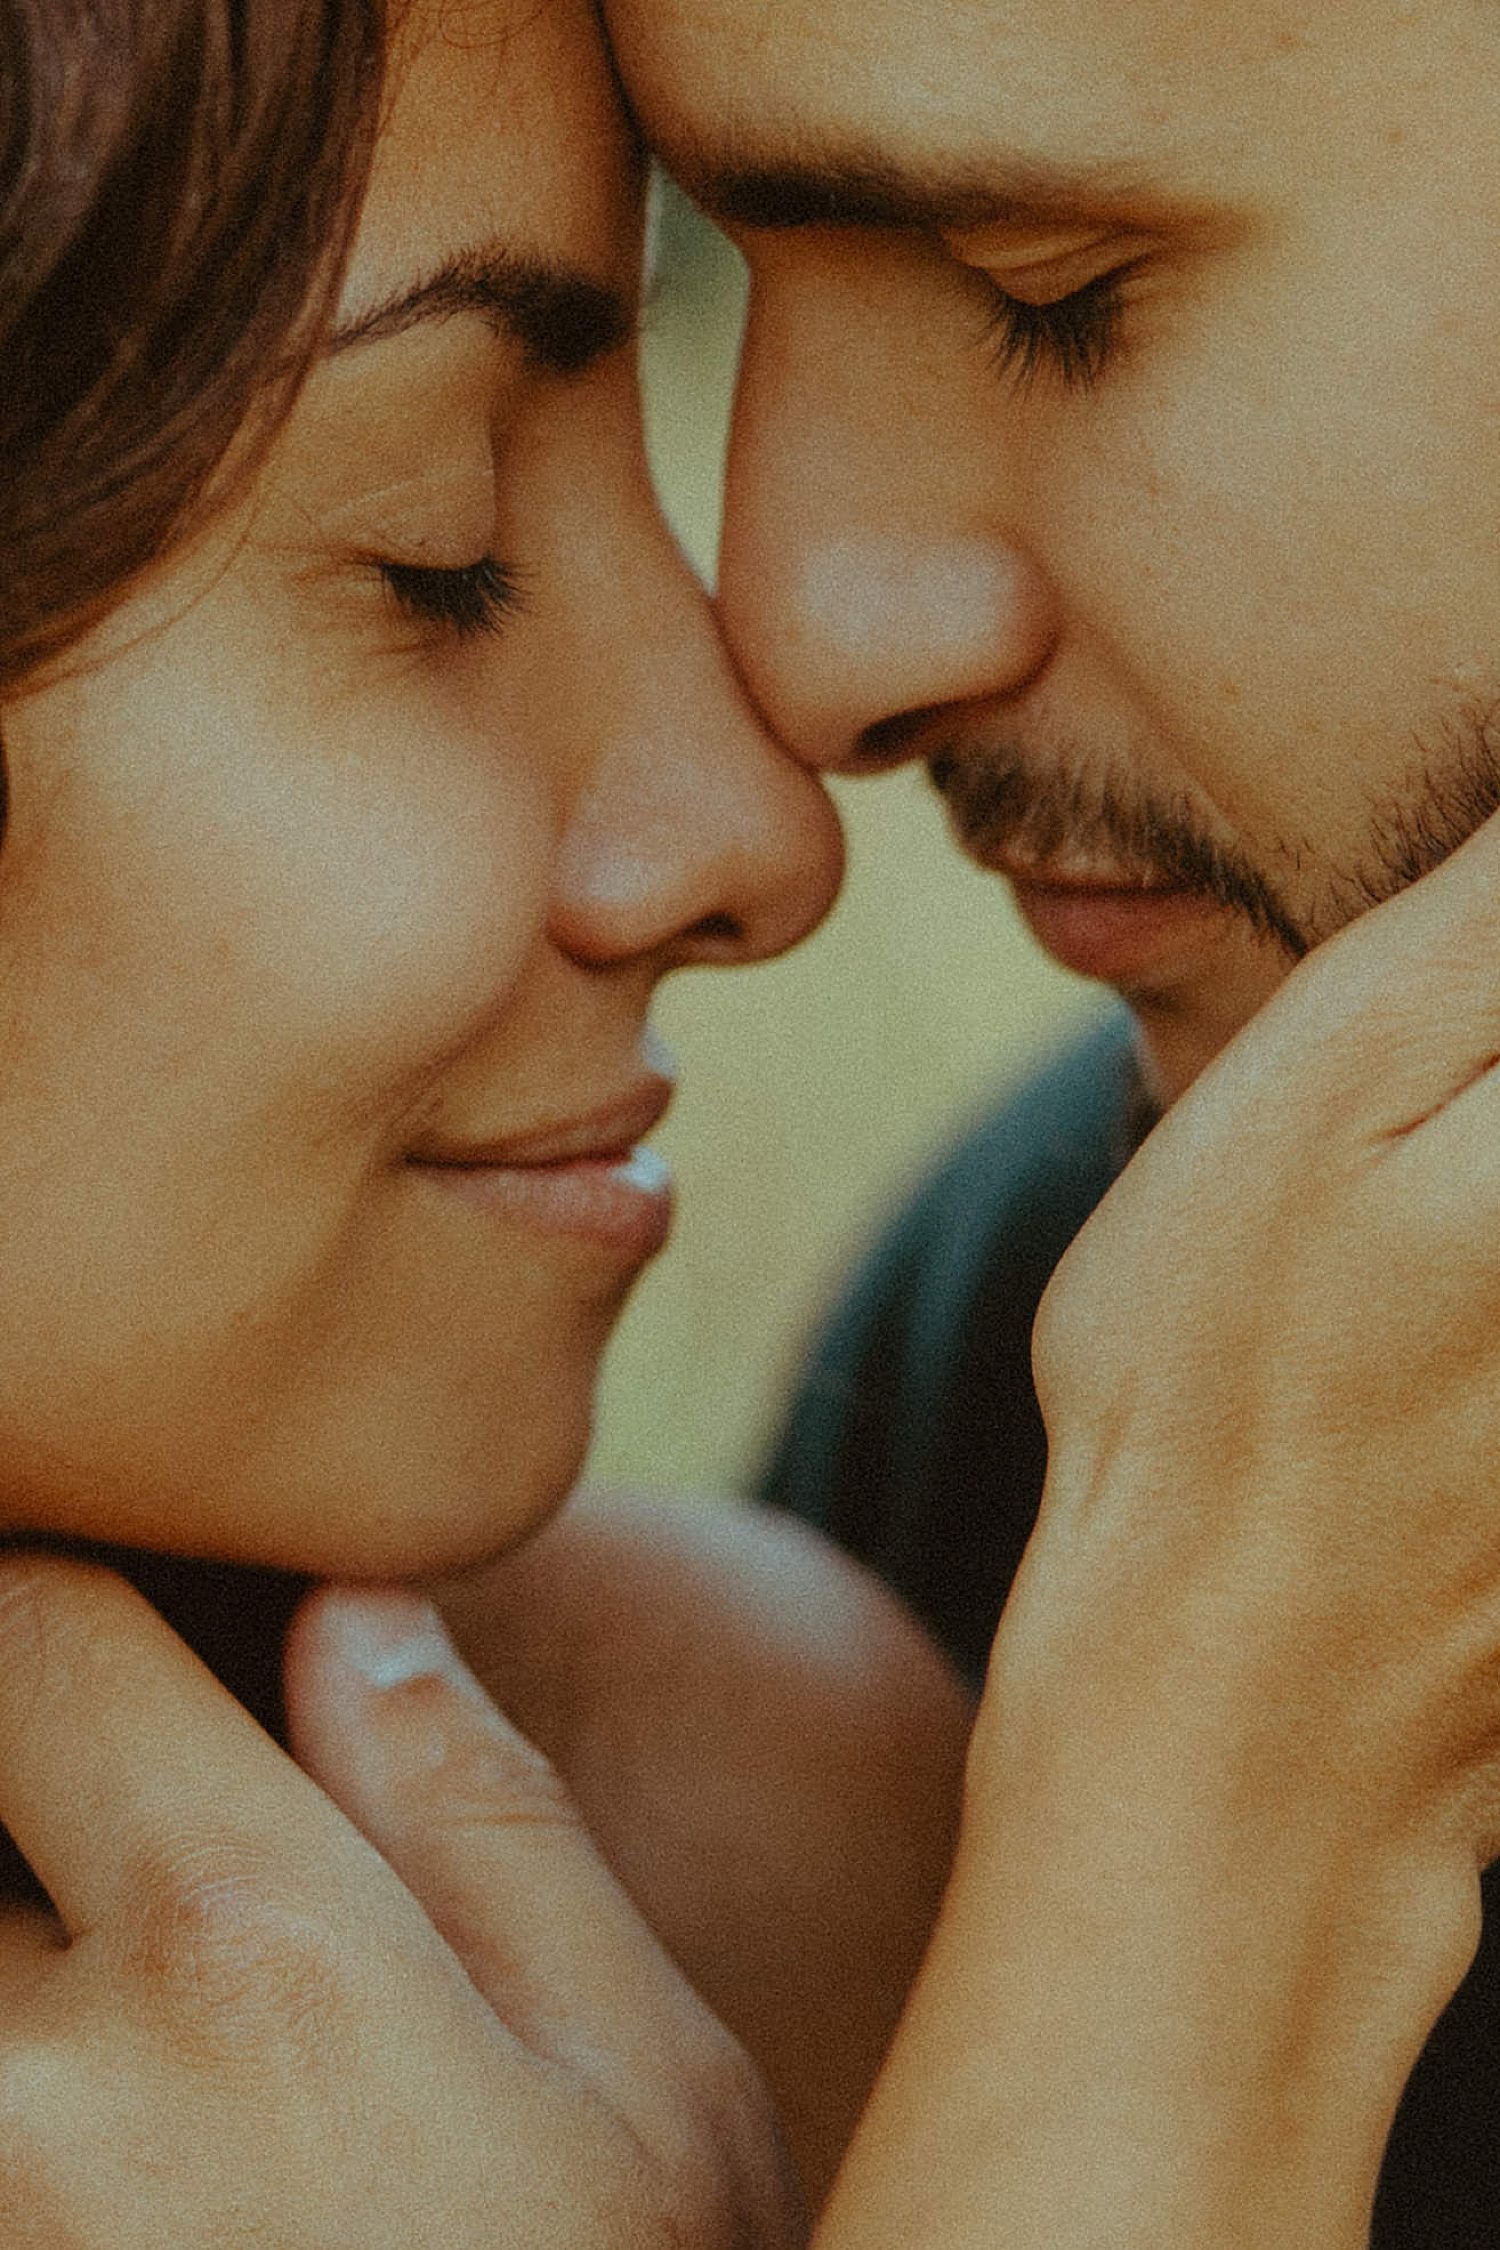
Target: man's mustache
<point>999,800</point>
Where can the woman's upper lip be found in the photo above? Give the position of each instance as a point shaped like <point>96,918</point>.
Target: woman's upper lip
<point>610,1129</point>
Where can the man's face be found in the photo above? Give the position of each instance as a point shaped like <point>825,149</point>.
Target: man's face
<point>1119,430</point>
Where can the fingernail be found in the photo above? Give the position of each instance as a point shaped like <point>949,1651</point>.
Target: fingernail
<point>390,1636</point>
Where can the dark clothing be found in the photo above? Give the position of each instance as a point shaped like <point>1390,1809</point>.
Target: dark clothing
<point>915,1440</point>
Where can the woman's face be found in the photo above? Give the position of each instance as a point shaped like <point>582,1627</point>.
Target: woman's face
<point>336,885</point>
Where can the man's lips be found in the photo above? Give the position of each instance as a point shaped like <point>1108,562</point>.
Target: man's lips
<point>1120,929</point>
<point>1071,867</point>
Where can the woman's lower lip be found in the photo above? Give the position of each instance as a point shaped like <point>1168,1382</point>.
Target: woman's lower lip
<point>1117,935</point>
<point>622,1203</point>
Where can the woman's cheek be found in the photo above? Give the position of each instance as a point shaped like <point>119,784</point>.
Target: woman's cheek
<point>407,927</point>
<point>364,891</point>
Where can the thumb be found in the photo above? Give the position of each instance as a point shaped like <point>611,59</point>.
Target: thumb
<point>388,1720</point>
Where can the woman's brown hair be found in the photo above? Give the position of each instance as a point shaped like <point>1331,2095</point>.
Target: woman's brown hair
<point>178,184</point>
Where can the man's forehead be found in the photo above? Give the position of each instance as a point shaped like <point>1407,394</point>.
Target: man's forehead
<point>1109,87</point>
<point>920,58</point>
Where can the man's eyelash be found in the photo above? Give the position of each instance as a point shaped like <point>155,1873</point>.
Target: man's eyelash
<point>1072,338</point>
<point>478,598</point>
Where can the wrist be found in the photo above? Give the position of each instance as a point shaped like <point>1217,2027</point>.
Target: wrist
<point>1191,1950</point>
<point>1212,1644</point>
<point>1182,1975</point>
<point>1135,2030</point>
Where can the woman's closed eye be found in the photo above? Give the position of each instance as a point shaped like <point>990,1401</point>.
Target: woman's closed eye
<point>1072,338</point>
<point>475,598</point>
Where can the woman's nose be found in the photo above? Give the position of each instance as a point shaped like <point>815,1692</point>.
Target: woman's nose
<point>694,839</point>
<point>866,574</point>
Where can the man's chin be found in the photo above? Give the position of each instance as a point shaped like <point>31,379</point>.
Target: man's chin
<point>1186,1019</point>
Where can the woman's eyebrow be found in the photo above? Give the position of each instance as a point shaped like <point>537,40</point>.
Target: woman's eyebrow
<point>562,317</point>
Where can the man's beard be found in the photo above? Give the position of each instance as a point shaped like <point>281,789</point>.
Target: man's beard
<point>1001,796</point>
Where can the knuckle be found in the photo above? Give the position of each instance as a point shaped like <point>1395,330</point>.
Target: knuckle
<point>35,1642</point>
<point>27,1595</point>
<point>731,2176</point>
<point>740,2105</point>
<point>1065,1351</point>
<point>471,1769</point>
<point>61,1637</point>
<point>50,1604</point>
<point>721,2088</point>
<point>235,1963</point>
<point>731,2081</point>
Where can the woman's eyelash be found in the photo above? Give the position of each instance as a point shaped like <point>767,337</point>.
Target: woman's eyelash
<point>478,598</point>
<point>1072,338</point>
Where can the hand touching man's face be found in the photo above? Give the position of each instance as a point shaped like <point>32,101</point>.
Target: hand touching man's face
<point>1120,433</point>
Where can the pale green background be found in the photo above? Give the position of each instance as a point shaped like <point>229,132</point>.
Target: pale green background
<point>813,1088</point>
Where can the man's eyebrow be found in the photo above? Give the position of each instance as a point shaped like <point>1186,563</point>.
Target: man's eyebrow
<point>858,190</point>
<point>562,317</point>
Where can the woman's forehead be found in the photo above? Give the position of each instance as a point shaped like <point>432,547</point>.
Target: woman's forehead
<point>502,123</point>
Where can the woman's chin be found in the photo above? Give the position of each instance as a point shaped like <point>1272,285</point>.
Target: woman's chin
<point>433,1520</point>
<point>444,1543</point>
<point>464,1518</point>
<point>449,1535</point>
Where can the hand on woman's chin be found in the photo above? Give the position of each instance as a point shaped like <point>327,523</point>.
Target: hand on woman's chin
<point>234,1616</point>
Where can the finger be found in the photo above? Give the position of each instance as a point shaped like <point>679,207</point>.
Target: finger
<point>385,1715</point>
<point>1403,1005</point>
<point>1462,889</point>
<point>123,1762</point>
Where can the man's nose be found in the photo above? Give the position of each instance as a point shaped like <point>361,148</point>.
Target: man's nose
<point>868,574</point>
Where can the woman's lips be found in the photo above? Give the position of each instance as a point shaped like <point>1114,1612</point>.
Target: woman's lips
<point>585,1177</point>
<point>1120,932</point>
<point>623,1203</point>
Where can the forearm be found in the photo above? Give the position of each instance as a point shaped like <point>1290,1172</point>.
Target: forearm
<point>1173,1999</point>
